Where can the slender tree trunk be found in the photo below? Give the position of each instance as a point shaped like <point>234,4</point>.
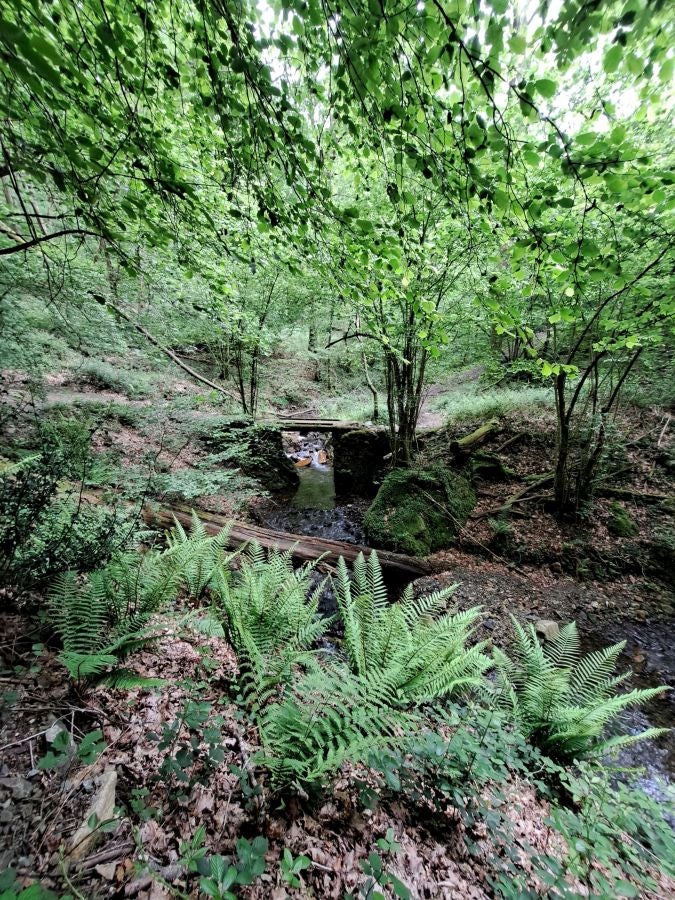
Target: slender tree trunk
<point>312,337</point>
<point>371,387</point>
<point>561,480</point>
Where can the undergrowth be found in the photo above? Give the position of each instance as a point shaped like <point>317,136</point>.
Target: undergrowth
<point>403,710</point>
<point>473,402</point>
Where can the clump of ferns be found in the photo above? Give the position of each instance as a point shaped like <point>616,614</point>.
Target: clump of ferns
<point>311,715</point>
<point>197,557</point>
<point>563,701</point>
<point>104,616</point>
<point>270,617</point>
<point>416,649</point>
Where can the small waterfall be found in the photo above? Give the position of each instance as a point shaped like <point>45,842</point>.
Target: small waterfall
<point>315,464</point>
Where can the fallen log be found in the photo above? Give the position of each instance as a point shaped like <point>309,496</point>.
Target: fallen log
<point>463,446</point>
<point>519,497</point>
<point>153,340</point>
<point>638,496</point>
<point>302,547</point>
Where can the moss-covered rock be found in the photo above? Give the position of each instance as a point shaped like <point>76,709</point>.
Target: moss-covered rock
<point>417,511</point>
<point>257,450</point>
<point>358,460</point>
<point>620,523</point>
<point>661,548</point>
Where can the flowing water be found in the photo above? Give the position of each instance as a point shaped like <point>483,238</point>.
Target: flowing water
<point>314,509</point>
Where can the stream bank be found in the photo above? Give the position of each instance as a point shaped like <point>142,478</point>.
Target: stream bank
<point>316,509</point>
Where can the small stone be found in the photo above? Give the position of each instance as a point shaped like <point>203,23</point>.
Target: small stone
<point>20,787</point>
<point>25,862</point>
<point>547,628</point>
<point>556,567</point>
<point>103,806</point>
<point>107,870</point>
<point>54,731</point>
<point>7,815</point>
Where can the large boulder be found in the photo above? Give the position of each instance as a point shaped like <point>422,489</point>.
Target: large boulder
<point>417,511</point>
<point>358,459</point>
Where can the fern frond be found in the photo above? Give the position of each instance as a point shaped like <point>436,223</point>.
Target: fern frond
<point>563,701</point>
<point>127,680</point>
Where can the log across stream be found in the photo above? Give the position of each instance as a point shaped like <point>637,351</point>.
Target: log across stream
<point>302,547</point>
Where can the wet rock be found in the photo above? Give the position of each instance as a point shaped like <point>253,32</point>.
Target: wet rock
<point>548,629</point>
<point>417,511</point>
<point>358,461</point>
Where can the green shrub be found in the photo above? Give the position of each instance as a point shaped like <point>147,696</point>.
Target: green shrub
<point>406,648</point>
<point>40,534</point>
<point>105,376</point>
<point>620,841</point>
<point>417,511</point>
<point>561,700</point>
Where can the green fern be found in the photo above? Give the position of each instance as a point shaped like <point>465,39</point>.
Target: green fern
<point>197,557</point>
<point>138,585</point>
<point>101,618</point>
<point>310,717</point>
<point>413,648</point>
<point>327,717</point>
<point>271,617</point>
<point>562,700</point>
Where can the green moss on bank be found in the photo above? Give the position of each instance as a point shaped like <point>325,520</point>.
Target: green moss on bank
<point>417,511</point>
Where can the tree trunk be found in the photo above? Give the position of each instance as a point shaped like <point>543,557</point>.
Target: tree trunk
<point>561,479</point>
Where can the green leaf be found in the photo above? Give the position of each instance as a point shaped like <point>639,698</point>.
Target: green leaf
<point>666,71</point>
<point>612,58</point>
<point>517,43</point>
<point>546,87</point>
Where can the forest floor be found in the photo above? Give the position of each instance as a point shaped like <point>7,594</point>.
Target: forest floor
<point>535,568</point>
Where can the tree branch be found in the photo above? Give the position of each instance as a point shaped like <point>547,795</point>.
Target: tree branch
<point>26,245</point>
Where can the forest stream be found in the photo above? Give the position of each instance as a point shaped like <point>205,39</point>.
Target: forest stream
<point>315,509</point>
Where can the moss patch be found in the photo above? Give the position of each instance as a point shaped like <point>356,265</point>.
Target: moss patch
<point>417,511</point>
<point>620,523</point>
